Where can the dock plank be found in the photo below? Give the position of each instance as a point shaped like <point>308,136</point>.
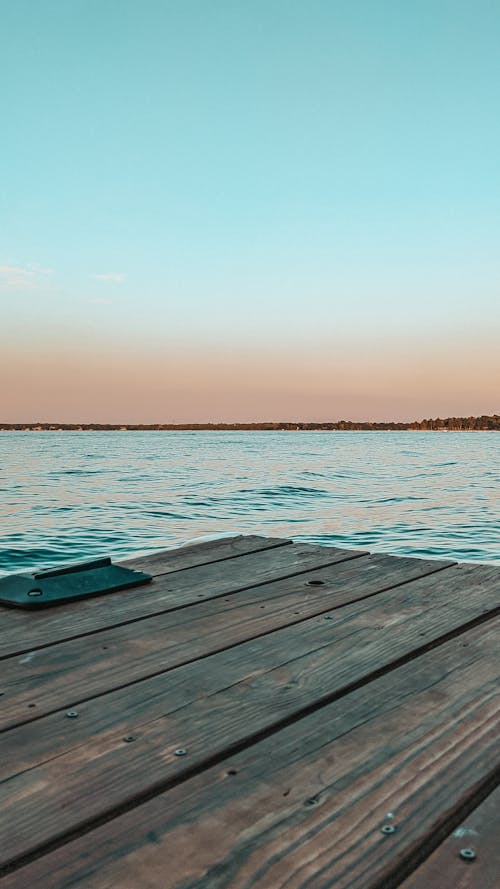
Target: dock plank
<point>24,631</point>
<point>304,808</point>
<point>446,869</point>
<point>214,705</point>
<point>202,552</point>
<point>145,699</point>
<point>58,675</point>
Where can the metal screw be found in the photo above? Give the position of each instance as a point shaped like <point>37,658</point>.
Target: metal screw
<point>388,828</point>
<point>72,713</point>
<point>180,751</point>
<point>468,854</point>
<point>129,738</point>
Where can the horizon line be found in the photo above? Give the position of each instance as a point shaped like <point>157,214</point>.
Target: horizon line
<point>455,423</point>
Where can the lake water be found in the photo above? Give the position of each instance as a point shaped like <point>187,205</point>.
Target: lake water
<point>66,496</point>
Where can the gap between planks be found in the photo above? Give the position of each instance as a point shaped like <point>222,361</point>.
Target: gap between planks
<point>379,702</point>
<point>75,671</point>
<point>29,631</point>
<point>446,869</point>
<point>159,562</point>
<point>361,674</point>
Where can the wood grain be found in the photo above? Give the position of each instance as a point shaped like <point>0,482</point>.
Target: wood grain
<point>23,632</point>
<point>203,552</point>
<point>304,808</point>
<point>446,869</point>
<point>145,700</point>
<point>58,675</point>
<point>70,772</point>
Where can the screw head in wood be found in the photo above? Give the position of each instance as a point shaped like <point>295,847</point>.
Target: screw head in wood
<point>129,738</point>
<point>467,854</point>
<point>72,714</point>
<point>180,751</point>
<point>388,828</point>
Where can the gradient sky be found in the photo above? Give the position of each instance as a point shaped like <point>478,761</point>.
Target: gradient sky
<point>229,210</point>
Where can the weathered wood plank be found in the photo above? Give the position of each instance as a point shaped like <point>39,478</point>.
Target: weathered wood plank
<point>55,676</point>
<point>304,809</point>
<point>25,631</point>
<point>447,869</point>
<point>86,771</point>
<point>202,552</point>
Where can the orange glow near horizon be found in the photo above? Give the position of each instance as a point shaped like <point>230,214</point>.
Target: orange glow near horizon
<point>231,383</point>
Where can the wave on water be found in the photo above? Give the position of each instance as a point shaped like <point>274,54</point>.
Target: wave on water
<point>62,500</point>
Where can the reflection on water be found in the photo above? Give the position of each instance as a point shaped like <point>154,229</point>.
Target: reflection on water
<point>66,496</point>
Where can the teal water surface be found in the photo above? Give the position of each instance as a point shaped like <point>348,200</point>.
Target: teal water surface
<point>66,496</point>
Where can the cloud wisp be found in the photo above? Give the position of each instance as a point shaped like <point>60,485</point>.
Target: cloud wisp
<point>15,277</point>
<point>116,277</point>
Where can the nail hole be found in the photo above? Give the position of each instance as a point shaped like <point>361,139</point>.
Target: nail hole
<point>129,738</point>
<point>31,706</point>
<point>315,582</point>
<point>232,772</point>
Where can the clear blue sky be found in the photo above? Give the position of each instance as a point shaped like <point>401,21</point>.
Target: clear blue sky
<point>236,210</point>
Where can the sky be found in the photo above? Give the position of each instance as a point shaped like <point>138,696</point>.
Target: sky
<point>217,210</point>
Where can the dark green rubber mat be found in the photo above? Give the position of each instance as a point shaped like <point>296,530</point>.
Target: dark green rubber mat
<point>55,586</point>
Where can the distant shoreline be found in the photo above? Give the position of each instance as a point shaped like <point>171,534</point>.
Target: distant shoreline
<point>449,424</point>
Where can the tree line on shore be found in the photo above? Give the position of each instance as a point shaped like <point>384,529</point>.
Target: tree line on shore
<point>482,423</point>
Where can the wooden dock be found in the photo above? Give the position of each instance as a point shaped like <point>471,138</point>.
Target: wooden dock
<point>263,714</point>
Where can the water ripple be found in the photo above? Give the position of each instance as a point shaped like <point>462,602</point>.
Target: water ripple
<point>68,496</point>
